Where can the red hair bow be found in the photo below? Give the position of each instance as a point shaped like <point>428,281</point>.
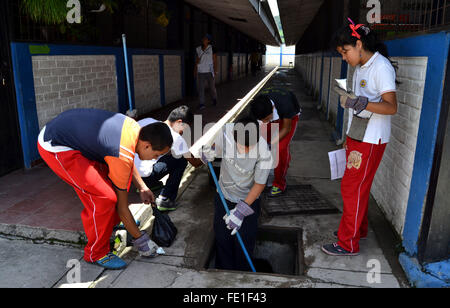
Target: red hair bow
<point>354,28</point>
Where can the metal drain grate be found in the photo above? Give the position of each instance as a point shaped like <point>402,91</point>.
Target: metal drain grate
<point>298,199</point>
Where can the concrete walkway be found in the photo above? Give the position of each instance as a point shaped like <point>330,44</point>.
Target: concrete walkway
<point>28,264</point>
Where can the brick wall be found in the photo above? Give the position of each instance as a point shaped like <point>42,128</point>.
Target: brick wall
<point>334,97</point>
<point>309,67</point>
<point>67,82</point>
<point>393,180</point>
<point>146,83</point>
<point>172,77</point>
<point>318,68</point>
<point>325,82</point>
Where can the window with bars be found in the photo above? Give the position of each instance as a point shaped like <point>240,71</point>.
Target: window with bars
<point>409,16</point>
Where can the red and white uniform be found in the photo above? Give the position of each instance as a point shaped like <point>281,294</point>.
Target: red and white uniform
<point>285,106</point>
<point>93,151</point>
<point>371,80</point>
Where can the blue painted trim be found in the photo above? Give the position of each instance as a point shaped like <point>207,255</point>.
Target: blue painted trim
<point>162,81</point>
<point>441,270</point>
<point>428,277</point>
<point>277,54</point>
<point>329,85</point>
<point>321,80</point>
<point>26,102</point>
<point>435,47</point>
<point>281,56</point>
<point>341,111</point>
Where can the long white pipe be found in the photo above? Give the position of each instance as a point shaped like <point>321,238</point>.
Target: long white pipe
<point>208,138</point>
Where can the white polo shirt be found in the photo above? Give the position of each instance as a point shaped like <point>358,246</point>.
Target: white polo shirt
<point>206,64</point>
<point>179,148</point>
<point>372,80</point>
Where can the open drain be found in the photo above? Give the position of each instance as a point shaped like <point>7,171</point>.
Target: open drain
<point>278,251</point>
<point>297,199</point>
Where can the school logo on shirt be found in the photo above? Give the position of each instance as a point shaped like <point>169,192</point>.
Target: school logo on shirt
<point>354,160</point>
<point>363,83</point>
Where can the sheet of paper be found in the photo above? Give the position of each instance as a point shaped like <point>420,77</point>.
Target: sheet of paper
<point>338,163</point>
<point>342,83</point>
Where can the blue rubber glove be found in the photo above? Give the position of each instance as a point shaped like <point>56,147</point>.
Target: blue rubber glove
<point>236,218</point>
<point>145,246</point>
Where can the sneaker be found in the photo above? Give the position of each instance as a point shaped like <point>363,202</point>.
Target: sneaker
<point>201,107</point>
<point>111,262</point>
<point>335,234</point>
<point>275,192</point>
<point>337,251</point>
<point>165,205</point>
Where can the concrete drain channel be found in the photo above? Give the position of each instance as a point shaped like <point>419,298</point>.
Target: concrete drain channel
<point>278,251</point>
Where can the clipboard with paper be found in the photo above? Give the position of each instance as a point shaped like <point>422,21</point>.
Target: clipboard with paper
<point>338,164</point>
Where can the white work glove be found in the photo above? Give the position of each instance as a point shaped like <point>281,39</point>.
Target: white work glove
<point>132,114</point>
<point>236,218</point>
<point>208,154</point>
<point>145,246</point>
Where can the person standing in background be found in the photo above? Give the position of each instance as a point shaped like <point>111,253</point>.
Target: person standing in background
<point>205,70</point>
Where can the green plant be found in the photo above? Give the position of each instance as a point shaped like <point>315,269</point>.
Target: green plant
<point>53,12</point>
<point>48,11</point>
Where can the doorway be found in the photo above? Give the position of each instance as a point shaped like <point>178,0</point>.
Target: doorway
<point>11,154</point>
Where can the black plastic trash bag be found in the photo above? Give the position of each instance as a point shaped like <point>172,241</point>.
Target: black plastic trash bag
<point>164,231</point>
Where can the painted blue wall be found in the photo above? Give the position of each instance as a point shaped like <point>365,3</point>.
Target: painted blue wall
<point>24,83</point>
<point>435,47</point>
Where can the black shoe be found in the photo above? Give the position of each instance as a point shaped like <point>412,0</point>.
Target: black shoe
<point>335,234</point>
<point>337,251</point>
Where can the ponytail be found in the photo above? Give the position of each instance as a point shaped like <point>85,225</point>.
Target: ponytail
<point>350,34</point>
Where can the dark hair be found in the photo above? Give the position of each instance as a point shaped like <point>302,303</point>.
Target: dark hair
<point>182,113</point>
<point>261,107</point>
<point>209,37</point>
<point>158,134</point>
<point>369,39</point>
<point>246,131</point>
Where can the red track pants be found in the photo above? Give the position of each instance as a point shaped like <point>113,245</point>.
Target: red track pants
<point>91,183</point>
<point>284,155</point>
<point>363,160</point>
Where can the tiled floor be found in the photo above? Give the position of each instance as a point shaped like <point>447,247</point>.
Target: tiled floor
<point>38,198</point>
